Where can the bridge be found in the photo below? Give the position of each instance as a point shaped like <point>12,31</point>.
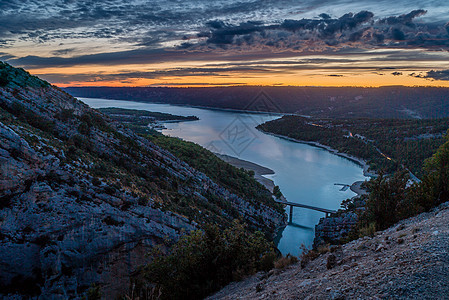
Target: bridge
<point>292,204</point>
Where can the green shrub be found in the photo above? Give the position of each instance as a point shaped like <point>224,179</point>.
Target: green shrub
<point>93,293</point>
<point>434,188</point>
<point>285,261</point>
<point>30,117</point>
<point>235,180</point>
<point>391,200</point>
<point>277,192</point>
<point>204,261</point>
<point>65,115</point>
<point>384,202</point>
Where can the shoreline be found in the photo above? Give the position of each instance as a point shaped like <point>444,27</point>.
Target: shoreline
<point>201,107</point>
<point>355,186</point>
<point>258,170</point>
<point>361,162</point>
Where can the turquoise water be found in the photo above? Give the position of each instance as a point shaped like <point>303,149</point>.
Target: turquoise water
<point>305,174</point>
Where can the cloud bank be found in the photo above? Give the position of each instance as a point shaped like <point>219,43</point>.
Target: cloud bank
<point>253,36</point>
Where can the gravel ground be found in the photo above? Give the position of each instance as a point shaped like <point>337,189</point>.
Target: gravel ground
<point>407,261</point>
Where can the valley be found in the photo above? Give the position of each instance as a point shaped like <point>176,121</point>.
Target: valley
<point>134,191</point>
<point>224,149</point>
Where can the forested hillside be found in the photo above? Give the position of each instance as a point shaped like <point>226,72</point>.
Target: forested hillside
<point>386,144</point>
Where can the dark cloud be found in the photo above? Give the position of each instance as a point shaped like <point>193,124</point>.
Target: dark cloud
<point>433,75</point>
<point>397,34</point>
<point>379,38</point>
<point>438,75</point>
<point>361,29</point>
<point>63,51</point>
<point>324,16</point>
<point>406,19</point>
<point>141,56</point>
<point>327,26</point>
<point>216,24</point>
<point>223,34</point>
<point>356,36</point>
<point>6,56</point>
<point>396,73</point>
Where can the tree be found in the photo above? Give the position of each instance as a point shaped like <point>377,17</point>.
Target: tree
<point>385,200</point>
<point>435,184</point>
<point>277,192</point>
<point>203,261</point>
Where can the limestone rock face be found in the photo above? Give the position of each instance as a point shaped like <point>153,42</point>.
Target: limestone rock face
<point>83,199</point>
<point>62,236</point>
<point>333,228</point>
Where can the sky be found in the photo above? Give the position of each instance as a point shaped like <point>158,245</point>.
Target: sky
<point>184,43</point>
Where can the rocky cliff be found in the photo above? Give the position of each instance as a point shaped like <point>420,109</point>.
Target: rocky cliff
<point>334,228</point>
<point>83,199</point>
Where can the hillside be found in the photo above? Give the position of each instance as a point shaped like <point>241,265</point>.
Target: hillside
<point>385,144</point>
<point>323,102</point>
<point>406,261</point>
<point>83,198</point>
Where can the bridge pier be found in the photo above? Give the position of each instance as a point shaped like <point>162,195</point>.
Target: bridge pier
<point>291,214</point>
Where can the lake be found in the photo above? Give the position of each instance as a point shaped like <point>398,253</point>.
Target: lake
<point>304,173</point>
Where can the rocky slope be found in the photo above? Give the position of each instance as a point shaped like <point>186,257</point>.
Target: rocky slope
<point>83,199</point>
<point>406,261</point>
<point>332,229</point>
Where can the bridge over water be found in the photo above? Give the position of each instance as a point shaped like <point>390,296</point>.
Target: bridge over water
<point>292,204</point>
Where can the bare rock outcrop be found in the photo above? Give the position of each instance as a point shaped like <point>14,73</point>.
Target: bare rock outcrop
<point>334,228</point>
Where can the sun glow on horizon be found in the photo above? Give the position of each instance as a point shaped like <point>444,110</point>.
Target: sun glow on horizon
<point>360,80</point>
<point>308,70</point>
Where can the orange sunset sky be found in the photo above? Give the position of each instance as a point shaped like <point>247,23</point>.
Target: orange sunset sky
<point>189,43</point>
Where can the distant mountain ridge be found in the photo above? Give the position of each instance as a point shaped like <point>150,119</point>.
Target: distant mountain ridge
<point>83,199</point>
<point>335,102</point>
